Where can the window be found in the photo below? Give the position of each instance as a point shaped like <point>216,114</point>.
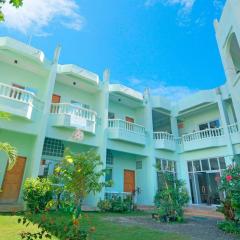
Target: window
<point>111,115</point>
<point>211,124</point>
<point>108,176</point>
<point>53,147</point>
<point>138,165</point>
<point>222,163</point>
<point>56,98</point>
<point>235,52</point>
<point>129,119</point>
<point>214,163</point>
<point>196,166</point>
<point>109,158</point>
<point>205,165</point>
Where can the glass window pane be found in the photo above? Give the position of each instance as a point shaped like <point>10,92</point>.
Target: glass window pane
<point>215,124</point>
<point>196,165</point>
<point>164,164</point>
<point>170,166</point>
<point>190,168</point>
<point>222,163</point>
<point>214,164</point>
<point>203,126</point>
<point>158,164</point>
<point>205,165</point>
<point>175,166</point>
<point>108,175</point>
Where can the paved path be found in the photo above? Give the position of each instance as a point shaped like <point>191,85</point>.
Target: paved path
<point>197,228</point>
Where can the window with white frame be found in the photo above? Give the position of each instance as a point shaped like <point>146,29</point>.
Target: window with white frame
<point>210,124</point>
<point>139,165</point>
<point>208,164</point>
<point>163,166</point>
<point>108,176</point>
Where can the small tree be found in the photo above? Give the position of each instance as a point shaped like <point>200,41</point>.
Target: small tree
<point>171,198</point>
<point>14,3</point>
<point>80,174</point>
<point>6,147</point>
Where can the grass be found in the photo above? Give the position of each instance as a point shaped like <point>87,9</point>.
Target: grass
<point>105,230</point>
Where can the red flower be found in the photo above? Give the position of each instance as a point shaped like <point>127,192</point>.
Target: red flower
<point>228,178</point>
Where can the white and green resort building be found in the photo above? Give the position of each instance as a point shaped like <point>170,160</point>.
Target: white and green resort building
<point>54,107</point>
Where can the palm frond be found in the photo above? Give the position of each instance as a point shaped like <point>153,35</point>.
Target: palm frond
<point>11,152</point>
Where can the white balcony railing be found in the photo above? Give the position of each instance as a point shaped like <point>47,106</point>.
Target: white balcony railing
<point>73,110</point>
<point>199,135</point>
<point>163,136</point>
<point>20,95</point>
<point>127,126</point>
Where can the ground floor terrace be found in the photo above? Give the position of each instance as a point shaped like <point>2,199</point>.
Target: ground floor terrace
<point>130,173</point>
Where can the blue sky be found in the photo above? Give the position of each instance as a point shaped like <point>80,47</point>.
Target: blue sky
<point>167,45</point>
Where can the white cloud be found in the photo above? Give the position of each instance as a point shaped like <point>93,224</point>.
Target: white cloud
<point>174,93</point>
<point>186,5</point>
<point>35,15</point>
<point>160,88</point>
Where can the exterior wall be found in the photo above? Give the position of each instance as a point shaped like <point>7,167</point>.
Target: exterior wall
<point>30,125</point>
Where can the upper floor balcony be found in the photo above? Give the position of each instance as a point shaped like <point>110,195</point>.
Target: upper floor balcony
<point>71,116</point>
<point>126,131</point>
<point>19,102</point>
<point>164,140</point>
<point>212,137</point>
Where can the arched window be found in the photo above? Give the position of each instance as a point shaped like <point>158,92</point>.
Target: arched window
<point>234,50</point>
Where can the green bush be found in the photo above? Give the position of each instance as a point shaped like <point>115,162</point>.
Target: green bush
<point>37,193</point>
<point>229,227</point>
<point>116,204</point>
<point>230,206</point>
<point>170,199</point>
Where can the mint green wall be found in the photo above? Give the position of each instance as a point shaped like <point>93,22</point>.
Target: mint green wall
<point>121,161</point>
<point>191,122</point>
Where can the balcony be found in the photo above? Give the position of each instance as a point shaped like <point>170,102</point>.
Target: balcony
<point>234,132</point>
<point>18,102</point>
<point>203,139</point>
<point>126,131</point>
<point>70,116</point>
<point>164,140</point>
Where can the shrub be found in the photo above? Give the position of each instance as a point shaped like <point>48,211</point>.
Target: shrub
<point>171,199</point>
<point>230,206</point>
<point>37,193</point>
<point>116,204</point>
<point>59,224</point>
<point>229,227</point>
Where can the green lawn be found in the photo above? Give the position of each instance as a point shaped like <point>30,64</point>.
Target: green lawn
<point>9,230</point>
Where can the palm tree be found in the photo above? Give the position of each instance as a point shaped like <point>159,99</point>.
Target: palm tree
<point>11,152</point>
<point>8,148</point>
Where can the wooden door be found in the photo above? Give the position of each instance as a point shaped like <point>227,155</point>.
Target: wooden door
<point>56,98</point>
<point>12,182</point>
<point>129,119</point>
<point>129,181</point>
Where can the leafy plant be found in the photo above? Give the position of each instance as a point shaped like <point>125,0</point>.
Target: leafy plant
<point>171,198</point>
<point>54,224</point>
<point>14,3</point>
<point>230,206</point>
<point>80,174</point>
<point>37,193</point>
<point>117,204</point>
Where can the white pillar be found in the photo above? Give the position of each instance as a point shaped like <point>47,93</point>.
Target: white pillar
<point>223,116</point>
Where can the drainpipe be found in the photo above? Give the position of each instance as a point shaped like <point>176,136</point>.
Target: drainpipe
<point>224,120</point>
<point>37,152</point>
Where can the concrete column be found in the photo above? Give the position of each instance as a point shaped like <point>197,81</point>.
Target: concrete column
<point>37,152</point>
<point>102,127</point>
<point>151,173</point>
<point>223,115</point>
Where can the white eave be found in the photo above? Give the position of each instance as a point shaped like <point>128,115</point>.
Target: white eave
<point>18,47</point>
<point>75,71</point>
<point>125,91</point>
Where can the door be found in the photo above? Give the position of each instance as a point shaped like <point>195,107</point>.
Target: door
<point>12,182</point>
<point>129,125</point>
<point>129,181</point>
<point>56,98</point>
